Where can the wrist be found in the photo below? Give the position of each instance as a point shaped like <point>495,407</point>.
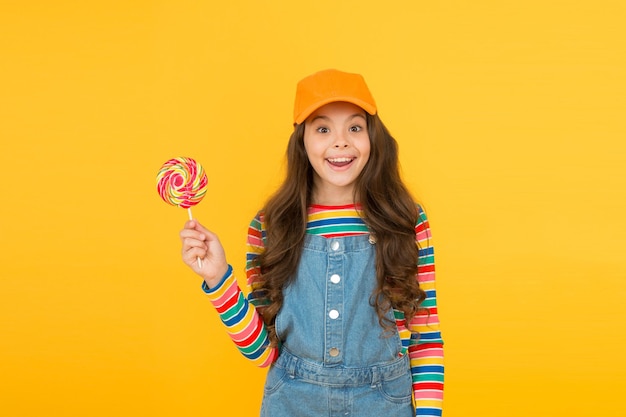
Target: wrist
<point>222,274</point>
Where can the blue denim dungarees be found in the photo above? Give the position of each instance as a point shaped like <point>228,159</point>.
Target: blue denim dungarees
<point>335,359</point>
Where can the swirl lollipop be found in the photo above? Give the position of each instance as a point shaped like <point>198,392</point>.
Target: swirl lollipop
<point>182,182</point>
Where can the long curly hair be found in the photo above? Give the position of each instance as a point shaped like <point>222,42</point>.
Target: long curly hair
<point>388,210</point>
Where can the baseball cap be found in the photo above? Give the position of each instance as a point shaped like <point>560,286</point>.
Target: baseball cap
<point>329,86</point>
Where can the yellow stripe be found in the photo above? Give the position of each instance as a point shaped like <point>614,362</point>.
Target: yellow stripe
<point>333,213</point>
<point>225,287</point>
<point>428,403</point>
<point>437,360</point>
<point>255,249</point>
<point>428,285</point>
<point>245,322</point>
<point>259,361</point>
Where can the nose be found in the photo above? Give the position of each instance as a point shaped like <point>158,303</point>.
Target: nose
<point>340,140</point>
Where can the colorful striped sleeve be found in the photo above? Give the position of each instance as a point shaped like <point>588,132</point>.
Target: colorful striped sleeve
<point>238,313</point>
<point>426,346</point>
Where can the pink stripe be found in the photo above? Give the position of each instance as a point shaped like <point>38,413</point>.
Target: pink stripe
<point>246,331</point>
<point>253,275</point>
<point>255,241</point>
<point>428,395</point>
<point>229,293</point>
<point>426,353</point>
<point>423,235</point>
<point>424,320</point>
<point>270,358</point>
<point>426,277</point>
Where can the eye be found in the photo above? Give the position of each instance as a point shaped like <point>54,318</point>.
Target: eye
<point>356,128</point>
<point>322,130</point>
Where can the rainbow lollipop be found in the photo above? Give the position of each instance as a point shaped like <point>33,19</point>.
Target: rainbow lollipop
<point>182,182</point>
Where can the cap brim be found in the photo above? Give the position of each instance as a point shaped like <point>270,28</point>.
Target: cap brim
<point>309,110</point>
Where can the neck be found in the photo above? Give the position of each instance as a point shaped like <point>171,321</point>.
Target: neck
<point>333,197</point>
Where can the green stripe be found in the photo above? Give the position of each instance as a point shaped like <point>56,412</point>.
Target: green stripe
<point>429,302</point>
<point>255,224</point>
<point>324,230</point>
<point>425,377</point>
<point>259,302</point>
<point>256,345</point>
<point>425,341</point>
<point>426,260</point>
<point>234,310</point>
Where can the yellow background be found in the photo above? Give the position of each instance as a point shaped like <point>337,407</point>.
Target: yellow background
<point>510,119</point>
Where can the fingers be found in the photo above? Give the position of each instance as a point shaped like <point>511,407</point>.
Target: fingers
<point>191,255</point>
<point>191,234</point>
<point>200,243</point>
<point>193,229</point>
<point>193,248</point>
<point>193,242</point>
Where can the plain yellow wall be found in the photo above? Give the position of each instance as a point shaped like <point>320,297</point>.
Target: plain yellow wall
<point>510,119</point>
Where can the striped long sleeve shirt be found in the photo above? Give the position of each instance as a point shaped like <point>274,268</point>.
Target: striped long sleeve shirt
<point>423,344</point>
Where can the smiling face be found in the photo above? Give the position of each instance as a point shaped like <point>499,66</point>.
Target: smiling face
<point>337,144</point>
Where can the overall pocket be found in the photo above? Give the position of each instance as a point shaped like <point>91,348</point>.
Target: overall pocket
<point>397,390</point>
<point>276,377</point>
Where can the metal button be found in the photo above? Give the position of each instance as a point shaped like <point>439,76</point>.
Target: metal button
<point>335,279</point>
<point>334,245</point>
<point>333,314</point>
<point>333,352</point>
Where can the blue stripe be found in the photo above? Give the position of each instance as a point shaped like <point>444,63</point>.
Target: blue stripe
<point>435,369</point>
<point>258,298</point>
<point>426,336</point>
<point>258,352</point>
<point>333,221</point>
<point>422,411</point>
<point>237,317</point>
<point>426,251</point>
<point>431,293</point>
<point>208,290</point>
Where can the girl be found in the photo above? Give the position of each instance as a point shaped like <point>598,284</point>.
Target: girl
<point>340,267</point>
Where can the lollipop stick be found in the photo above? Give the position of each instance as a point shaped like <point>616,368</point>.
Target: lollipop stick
<point>191,218</point>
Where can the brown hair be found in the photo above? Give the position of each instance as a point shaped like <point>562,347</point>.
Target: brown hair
<point>388,210</point>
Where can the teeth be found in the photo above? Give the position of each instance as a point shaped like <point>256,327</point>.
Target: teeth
<point>340,159</point>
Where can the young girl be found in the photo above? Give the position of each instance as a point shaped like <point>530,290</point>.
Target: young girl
<point>340,267</point>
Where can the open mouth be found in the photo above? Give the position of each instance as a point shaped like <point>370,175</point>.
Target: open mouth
<point>340,162</point>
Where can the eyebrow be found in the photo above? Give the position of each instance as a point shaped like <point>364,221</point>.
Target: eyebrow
<point>321,116</point>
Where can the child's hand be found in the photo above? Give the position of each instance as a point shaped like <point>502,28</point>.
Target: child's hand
<point>199,242</point>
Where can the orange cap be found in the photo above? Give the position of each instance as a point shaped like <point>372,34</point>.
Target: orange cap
<point>329,86</point>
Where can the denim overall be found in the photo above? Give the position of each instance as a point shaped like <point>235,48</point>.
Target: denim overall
<point>335,358</point>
